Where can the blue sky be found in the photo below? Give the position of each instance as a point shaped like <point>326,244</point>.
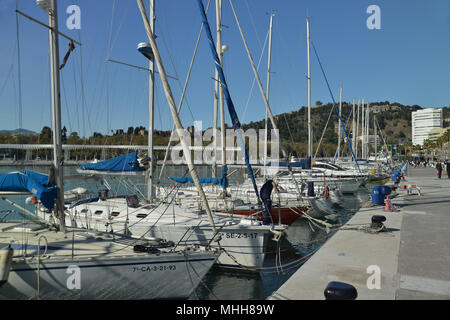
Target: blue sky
<point>406,61</point>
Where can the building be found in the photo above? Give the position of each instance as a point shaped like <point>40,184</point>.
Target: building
<point>423,121</point>
<point>371,138</point>
<point>435,134</point>
<point>446,123</point>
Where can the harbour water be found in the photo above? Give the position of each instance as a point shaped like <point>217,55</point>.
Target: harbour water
<point>304,237</point>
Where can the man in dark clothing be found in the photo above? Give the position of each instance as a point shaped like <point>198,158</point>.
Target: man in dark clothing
<point>439,169</point>
<point>265,193</point>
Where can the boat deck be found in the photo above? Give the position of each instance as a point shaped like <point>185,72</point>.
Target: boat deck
<point>75,243</point>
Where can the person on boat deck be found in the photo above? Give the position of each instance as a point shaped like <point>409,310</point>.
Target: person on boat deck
<point>265,193</point>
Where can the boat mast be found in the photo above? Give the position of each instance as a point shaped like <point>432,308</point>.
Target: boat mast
<point>176,119</point>
<point>354,126</point>
<point>151,108</point>
<point>357,126</point>
<point>266,102</point>
<point>219,49</point>
<point>367,131</point>
<point>375,137</point>
<point>56,112</point>
<point>339,127</point>
<point>267,89</point>
<point>362,130</point>
<point>216,86</point>
<point>309,89</point>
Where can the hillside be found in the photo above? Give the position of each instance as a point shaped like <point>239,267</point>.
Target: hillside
<point>394,119</point>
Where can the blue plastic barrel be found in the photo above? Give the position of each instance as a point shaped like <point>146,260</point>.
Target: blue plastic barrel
<point>386,190</point>
<point>395,177</point>
<point>377,195</point>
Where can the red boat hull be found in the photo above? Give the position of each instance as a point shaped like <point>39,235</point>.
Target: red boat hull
<point>288,215</point>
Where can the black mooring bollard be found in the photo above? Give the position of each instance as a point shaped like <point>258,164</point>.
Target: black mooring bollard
<point>377,221</point>
<point>336,290</point>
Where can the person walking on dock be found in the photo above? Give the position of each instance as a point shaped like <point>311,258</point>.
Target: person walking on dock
<point>439,169</point>
<point>265,193</point>
<point>447,167</point>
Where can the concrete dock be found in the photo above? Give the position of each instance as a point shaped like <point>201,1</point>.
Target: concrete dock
<point>409,260</point>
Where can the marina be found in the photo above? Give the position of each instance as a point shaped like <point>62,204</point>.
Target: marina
<point>345,200</point>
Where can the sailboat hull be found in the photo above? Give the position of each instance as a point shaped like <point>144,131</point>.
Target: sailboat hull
<point>285,216</point>
<point>243,242</point>
<point>106,279</point>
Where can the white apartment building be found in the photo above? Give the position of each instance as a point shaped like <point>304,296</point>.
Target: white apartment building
<point>423,121</point>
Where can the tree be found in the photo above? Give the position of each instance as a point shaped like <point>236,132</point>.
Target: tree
<point>64,134</point>
<point>130,130</point>
<point>46,131</point>
<point>46,135</point>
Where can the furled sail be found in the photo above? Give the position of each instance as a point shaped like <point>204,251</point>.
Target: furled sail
<point>303,163</point>
<point>222,181</point>
<point>28,181</point>
<point>125,163</point>
<point>231,110</point>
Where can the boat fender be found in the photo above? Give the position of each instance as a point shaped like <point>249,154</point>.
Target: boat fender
<point>326,192</point>
<point>6,255</point>
<point>336,290</point>
<point>377,222</point>
<point>276,235</point>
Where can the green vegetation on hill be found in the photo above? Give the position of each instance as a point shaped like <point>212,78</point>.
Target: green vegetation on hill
<point>394,120</point>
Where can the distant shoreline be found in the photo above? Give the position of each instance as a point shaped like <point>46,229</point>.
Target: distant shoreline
<point>18,163</point>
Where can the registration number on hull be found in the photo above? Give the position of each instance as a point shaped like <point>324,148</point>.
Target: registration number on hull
<point>154,268</point>
<point>233,235</point>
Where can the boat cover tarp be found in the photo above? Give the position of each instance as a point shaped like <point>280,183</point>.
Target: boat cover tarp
<point>303,164</point>
<point>95,199</point>
<point>222,181</point>
<point>33,182</point>
<point>127,162</point>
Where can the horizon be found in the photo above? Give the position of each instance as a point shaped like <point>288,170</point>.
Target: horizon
<point>114,132</point>
<point>393,63</point>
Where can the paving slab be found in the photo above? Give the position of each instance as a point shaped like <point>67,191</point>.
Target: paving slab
<point>412,255</point>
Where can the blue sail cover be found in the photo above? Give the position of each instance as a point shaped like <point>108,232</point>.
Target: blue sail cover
<point>127,162</point>
<point>303,164</point>
<point>33,182</point>
<point>231,110</point>
<point>223,181</point>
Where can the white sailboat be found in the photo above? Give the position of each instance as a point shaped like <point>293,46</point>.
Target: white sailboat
<point>73,263</point>
<point>242,241</point>
<point>83,264</point>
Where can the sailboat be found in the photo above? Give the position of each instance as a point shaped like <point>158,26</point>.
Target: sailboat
<point>75,263</point>
<point>241,241</point>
